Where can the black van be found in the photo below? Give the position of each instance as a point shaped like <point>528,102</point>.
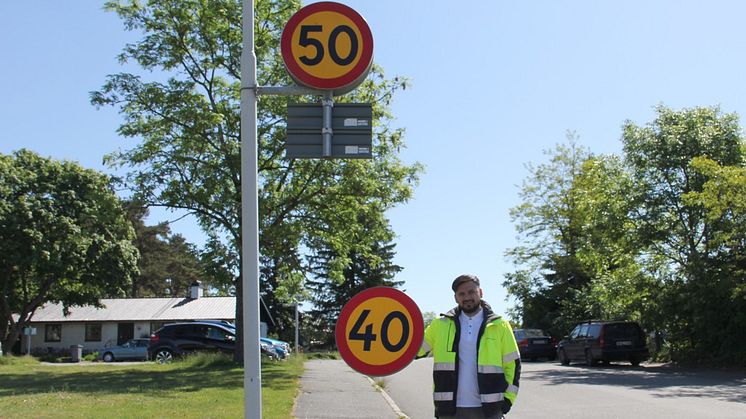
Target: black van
<point>597,340</point>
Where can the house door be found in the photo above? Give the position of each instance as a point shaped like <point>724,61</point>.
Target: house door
<point>125,332</point>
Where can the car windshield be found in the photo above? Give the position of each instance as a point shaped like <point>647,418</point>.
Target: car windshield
<point>534,333</point>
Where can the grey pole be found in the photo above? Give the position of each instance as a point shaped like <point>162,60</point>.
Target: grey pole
<point>297,325</point>
<point>252,376</point>
<point>326,130</point>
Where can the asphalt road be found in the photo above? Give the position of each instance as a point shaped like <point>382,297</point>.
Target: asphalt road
<point>549,390</point>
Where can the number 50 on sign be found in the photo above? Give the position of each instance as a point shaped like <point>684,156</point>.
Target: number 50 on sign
<point>379,331</point>
<point>327,46</point>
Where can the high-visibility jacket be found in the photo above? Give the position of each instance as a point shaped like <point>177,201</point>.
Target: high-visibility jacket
<point>498,361</point>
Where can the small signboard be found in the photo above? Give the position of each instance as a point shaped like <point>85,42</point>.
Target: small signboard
<point>327,46</point>
<point>352,127</point>
<point>379,331</point>
<point>29,331</point>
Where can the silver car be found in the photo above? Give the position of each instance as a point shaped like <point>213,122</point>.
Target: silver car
<point>132,350</point>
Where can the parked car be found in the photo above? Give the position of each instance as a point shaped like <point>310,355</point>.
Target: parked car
<point>179,339</point>
<point>132,350</point>
<point>535,343</point>
<point>596,340</point>
<point>282,348</point>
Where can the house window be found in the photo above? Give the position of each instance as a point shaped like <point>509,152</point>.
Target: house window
<point>93,332</point>
<point>53,333</point>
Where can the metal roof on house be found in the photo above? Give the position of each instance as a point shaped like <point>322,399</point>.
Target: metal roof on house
<point>143,309</point>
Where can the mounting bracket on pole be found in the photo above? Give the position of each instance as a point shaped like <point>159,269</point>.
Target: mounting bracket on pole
<point>326,129</point>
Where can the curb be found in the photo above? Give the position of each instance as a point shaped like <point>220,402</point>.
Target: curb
<point>388,399</point>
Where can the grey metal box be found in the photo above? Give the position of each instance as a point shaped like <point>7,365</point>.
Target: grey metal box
<point>352,127</point>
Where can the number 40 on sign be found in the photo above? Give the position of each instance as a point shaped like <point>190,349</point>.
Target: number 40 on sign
<point>379,331</point>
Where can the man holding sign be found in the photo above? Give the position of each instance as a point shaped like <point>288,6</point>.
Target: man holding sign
<point>477,365</point>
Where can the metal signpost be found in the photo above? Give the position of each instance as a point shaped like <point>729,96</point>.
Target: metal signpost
<point>29,331</point>
<point>327,47</point>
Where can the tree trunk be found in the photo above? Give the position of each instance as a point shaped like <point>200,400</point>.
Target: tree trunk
<point>13,332</point>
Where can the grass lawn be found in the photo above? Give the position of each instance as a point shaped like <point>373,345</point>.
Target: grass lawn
<point>202,386</point>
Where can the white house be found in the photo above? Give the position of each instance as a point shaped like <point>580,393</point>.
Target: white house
<point>121,319</point>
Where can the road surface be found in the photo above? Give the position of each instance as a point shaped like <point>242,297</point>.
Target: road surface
<point>549,390</point>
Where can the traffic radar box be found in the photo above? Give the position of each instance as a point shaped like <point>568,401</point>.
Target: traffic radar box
<point>352,125</point>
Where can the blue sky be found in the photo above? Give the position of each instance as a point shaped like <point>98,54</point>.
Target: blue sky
<point>494,83</point>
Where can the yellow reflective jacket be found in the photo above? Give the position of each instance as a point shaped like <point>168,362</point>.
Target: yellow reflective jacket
<point>498,361</point>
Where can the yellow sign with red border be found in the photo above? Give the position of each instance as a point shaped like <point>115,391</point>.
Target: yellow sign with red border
<point>327,46</point>
<point>379,331</point>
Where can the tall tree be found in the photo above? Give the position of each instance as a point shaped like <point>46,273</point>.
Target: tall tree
<point>370,265</point>
<point>610,247</point>
<point>549,224</point>
<point>168,263</point>
<point>151,246</point>
<point>578,255</point>
<point>722,197</point>
<point>186,122</point>
<point>657,237</point>
<point>678,231</point>
<point>64,238</point>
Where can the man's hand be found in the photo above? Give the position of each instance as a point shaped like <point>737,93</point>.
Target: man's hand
<point>506,405</point>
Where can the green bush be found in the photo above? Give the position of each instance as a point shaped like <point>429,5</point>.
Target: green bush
<point>91,356</point>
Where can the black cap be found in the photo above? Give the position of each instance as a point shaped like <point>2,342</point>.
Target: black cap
<point>464,279</point>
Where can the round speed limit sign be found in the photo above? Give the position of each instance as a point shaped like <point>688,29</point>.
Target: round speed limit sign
<point>379,331</point>
<point>327,46</point>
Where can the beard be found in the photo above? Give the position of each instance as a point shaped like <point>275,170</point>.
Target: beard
<point>469,307</point>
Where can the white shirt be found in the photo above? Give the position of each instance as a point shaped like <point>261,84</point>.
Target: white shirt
<point>468,388</point>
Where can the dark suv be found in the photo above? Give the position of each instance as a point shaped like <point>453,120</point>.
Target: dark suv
<point>178,339</point>
<point>605,341</point>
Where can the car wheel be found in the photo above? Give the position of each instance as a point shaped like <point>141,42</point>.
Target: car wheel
<point>635,362</point>
<point>164,356</point>
<point>564,360</point>
<point>589,361</point>
<point>108,357</point>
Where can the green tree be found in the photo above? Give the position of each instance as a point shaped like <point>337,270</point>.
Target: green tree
<point>578,255</point>
<point>64,238</point>
<point>657,237</point>
<point>428,317</point>
<point>722,198</point>
<point>151,246</point>
<point>679,236</point>
<point>610,248</point>
<point>168,264</point>
<point>187,125</point>
<point>370,265</point>
<point>549,223</point>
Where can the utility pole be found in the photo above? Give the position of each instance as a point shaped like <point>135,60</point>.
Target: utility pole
<point>347,72</point>
<point>250,220</point>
